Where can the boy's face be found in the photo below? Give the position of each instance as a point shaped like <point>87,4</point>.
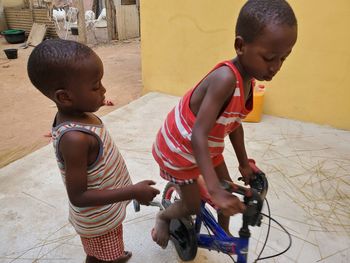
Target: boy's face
<point>263,58</point>
<point>86,90</point>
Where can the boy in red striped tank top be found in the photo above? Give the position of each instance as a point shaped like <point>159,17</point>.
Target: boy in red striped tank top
<point>191,141</point>
<point>92,168</point>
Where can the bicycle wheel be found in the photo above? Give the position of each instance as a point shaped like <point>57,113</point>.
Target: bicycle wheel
<point>182,231</point>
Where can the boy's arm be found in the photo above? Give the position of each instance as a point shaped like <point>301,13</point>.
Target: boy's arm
<point>74,148</point>
<point>217,93</point>
<point>220,89</point>
<point>237,141</point>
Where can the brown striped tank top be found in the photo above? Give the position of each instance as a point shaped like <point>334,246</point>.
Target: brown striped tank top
<point>107,172</point>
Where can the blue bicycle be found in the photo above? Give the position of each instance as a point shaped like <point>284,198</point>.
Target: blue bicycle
<point>186,234</point>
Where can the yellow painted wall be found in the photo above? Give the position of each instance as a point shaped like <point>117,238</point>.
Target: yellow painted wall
<point>181,40</point>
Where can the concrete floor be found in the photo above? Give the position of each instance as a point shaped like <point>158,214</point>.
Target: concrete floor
<point>307,166</point>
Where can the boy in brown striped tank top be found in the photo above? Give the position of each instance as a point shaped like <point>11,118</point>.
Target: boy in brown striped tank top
<point>94,172</point>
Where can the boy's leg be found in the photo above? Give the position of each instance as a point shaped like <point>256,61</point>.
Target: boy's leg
<point>223,174</point>
<point>108,248</point>
<point>122,259</point>
<point>90,259</point>
<point>189,204</point>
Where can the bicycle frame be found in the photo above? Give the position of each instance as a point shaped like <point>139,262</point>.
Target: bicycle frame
<point>219,240</point>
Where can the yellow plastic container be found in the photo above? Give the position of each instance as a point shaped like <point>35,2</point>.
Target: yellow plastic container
<point>258,104</point>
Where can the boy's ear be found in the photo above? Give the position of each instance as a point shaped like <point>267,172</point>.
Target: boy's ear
<point>62,97</point>
<point>239,45</point>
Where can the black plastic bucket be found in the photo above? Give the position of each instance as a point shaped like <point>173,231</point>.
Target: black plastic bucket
<point>74,31</point>
<point>11,53</point>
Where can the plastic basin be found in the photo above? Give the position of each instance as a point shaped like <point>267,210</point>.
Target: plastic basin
<point>14,36</point>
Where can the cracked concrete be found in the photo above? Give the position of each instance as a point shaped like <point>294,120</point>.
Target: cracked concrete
<point>307,166</point>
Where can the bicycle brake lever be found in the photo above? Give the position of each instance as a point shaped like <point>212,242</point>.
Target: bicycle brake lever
<point>157,204</point>
<point>235,188</point>
<point>137,205</point>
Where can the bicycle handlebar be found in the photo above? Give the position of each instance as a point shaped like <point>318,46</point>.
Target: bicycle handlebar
<point>253,196</point>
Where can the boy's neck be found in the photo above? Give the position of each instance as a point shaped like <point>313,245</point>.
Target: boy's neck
<point>246,78</point>
<point>81,117</point>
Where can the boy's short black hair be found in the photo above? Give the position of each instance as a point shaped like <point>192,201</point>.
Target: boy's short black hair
<point>53,62</point>
<point>255,15</point>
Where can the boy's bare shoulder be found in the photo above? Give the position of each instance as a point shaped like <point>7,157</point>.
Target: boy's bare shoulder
<point>224,73</point>
<point>75,136</point>
<point>76,140</point>
<point>223,77</point>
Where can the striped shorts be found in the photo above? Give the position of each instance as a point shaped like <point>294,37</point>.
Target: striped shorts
<point>165,175</point>
<point>107,247</point>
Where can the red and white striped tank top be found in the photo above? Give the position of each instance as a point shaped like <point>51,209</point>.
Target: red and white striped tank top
<point>107,172</point>
<point>172,149</point>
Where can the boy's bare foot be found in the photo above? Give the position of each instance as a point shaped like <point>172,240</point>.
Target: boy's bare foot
<point>108,103</point>
<point>125,258</point>
<point>48,134</point>
<point>160,232</point>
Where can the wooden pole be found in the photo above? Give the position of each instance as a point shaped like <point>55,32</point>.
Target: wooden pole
<point>111,21</point>
<point>81,23</point>
<point>31,8</point>
<point>3,24</point>
<point>114,19</point>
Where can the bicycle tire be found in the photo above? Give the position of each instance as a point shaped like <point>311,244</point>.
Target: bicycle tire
<point>182,231</point>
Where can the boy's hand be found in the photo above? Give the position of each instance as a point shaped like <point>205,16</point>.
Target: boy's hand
<point>144,192</point>
<point>227,203</point>
<point>247,174</point>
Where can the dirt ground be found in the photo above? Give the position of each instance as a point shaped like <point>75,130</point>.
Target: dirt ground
<point>26,115</point>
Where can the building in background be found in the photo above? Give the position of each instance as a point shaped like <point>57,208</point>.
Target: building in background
<point>182,40</point>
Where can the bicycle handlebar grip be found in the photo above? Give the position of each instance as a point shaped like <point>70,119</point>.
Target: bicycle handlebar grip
<point>136,205</point>
<point>235,188</point>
